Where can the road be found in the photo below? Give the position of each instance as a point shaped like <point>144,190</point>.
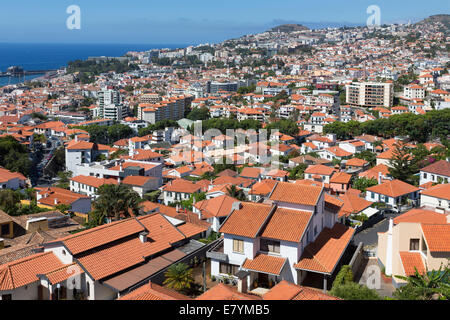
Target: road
<point>369,236</point>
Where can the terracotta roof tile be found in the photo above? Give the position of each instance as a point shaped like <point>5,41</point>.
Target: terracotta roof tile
<point>265,263</point>
<point>394,188</point>
<point>296,193</point>
<point>285,290</point>
<point>421,216</point>
<point>437,237</point>
<point>441,167</point>
<point>286,225</point>
<point>410,260</point>
<point>153,291</point>
<point>24,271</point>
<point>323,254</point>
<point>246,221</point>
<point>441,191</point>
<point>224,292</point>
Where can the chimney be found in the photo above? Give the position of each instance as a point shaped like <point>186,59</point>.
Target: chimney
<point>56,201</point>
<point>121,167</point>
<point>178,208</point>
<point>236,206</point>
<point>379,177</point>
<point>76,137</point>
<point>388,267</point>
<point>143,236</point>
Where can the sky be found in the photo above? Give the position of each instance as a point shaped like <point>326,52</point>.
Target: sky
<point>189,21</point>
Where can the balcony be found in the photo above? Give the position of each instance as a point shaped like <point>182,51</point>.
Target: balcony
<point>217,253</point>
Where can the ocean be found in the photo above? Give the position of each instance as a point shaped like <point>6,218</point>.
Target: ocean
<point>37,56</point>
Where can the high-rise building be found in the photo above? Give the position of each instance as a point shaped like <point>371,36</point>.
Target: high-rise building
<point>370,94</point>
<point>110,104</point>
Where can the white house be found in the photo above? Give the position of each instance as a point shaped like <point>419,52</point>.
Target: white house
<point>270,243</point>
<point>438,172</point>
<point>394,193</point>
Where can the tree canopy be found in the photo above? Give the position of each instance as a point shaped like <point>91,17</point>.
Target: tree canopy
<point>421,128</point>
<point>14,156</point>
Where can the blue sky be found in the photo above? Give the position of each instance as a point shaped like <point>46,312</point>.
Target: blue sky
<point>188,21</point>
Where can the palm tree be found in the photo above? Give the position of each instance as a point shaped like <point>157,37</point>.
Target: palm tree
<point>179,277</point>
<point>116,201</point>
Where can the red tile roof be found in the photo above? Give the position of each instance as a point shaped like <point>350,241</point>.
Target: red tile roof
<point>421,216</point>
<point>324,253</point>
<point>285,290</point>
<point>246,221</point>
<point>296,193</point>
<point>216,207</point>
<point>224,292</point>
<point>152,291</point>
<point>441,167</point>
<point>286,225</point>
<point>410,261</point>
<point>265,264</point>
<point>441,191</point>
<point>437,237</point>
<point>24,271</point>
<point>394,188</point>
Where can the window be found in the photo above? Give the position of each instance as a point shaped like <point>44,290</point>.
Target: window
<point>424,175</point>
<point>372,195</point>
<point>414,244</point>
<point>88,289</point>
<point>7,297</point>
<point>238,246</point>
<point>227,268</point>
<point>270,246</point>
<point>5,230</point>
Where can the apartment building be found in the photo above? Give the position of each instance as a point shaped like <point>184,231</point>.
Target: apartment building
<point>171,108</point>
<point>108,97</point>
<point>370,94</point>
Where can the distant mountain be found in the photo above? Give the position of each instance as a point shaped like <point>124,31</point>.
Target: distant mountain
<point>289,28</point>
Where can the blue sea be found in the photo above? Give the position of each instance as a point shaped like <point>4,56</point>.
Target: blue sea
<point>38,56</point>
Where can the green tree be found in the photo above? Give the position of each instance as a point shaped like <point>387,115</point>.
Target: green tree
<point>298,172</point>
<point>236,193</point>
<point>367,155</point>
<point>285,126</point>
<point>116,201</point>
<point>199,114</point>
<point>345,275</point>
<point>179,277</point>
<point>363,183</point>
<point>403,166</point>
<point>9,201</point>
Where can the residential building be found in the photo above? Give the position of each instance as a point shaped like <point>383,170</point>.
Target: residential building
<point>370,94</point>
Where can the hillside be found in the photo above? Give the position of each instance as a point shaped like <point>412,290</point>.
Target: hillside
<point>289,28</point>
<point>442,18</point>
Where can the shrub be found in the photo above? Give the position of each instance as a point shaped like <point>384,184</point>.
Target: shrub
<point>354,291</point>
